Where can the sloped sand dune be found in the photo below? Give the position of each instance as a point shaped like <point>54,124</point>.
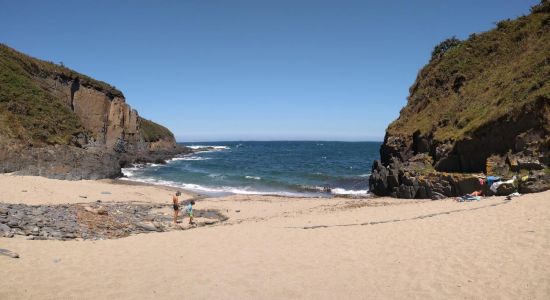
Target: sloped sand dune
<point>281,248</point>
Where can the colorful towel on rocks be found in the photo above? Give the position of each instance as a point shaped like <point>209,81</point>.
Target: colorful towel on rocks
<point>466,198</point>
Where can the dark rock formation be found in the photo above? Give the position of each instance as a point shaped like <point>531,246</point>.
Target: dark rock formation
<point>465,117</point>
<point>409,180</point>
<point>60,162</point>
<point>536,182</point>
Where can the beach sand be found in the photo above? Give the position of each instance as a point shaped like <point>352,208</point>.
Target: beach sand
<point>289,248</point>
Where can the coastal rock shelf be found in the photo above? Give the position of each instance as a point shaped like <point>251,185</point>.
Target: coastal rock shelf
<point>92,220</point>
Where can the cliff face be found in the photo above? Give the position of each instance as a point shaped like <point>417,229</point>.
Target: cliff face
<point>108,117</point>
<point>479,105</point>
<point>49,113</point>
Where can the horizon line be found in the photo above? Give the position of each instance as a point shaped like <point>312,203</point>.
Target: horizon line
<point>281,140</point>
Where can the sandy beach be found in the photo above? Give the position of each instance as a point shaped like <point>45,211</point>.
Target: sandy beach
<point>289,248</point>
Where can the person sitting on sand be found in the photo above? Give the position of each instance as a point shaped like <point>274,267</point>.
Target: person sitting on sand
<point>476,193</point>
<point>480,191</point>
<point>176,206</point>
<point>189,210</point>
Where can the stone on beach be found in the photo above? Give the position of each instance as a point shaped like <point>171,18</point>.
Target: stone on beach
<point>8,253</point>
<point>89,221</point>
<point>147,226</point>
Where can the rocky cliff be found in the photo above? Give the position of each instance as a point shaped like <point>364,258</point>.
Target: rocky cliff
<point>58,123</point>
<point>481,105</point>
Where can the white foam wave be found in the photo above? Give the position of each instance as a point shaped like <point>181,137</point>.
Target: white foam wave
<point>218,190</point>
<point>253,177</point>
<point>128,172</point>
<point>189,158</point>
<point>340,191</point>
<point>207,147</point>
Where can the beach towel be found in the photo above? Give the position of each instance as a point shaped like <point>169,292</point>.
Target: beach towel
<point>466,198</point>
<point>492,179</point>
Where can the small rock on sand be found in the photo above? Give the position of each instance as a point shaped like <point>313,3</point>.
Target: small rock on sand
<point>9,253</point>
<point>4,228</point>
<point>100,210</point>
<point>146,226</point>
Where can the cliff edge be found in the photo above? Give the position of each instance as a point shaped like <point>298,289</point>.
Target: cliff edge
<point>58,123</point>
<point>481,105</point>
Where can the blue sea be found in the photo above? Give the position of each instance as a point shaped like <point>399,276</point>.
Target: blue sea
<point>270,168</point>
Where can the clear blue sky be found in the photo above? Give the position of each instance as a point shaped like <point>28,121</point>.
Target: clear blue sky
<point>252,70</point>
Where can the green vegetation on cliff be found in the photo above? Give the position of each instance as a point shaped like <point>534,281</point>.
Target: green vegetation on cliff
<point>152,132</point>
<point>27,112</point>
<point>36,67</point>
<point>468,84</point>
<point>31,111</point>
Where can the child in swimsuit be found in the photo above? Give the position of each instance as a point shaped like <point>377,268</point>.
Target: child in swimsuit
<point>176,206</point>
<point>189,210</point>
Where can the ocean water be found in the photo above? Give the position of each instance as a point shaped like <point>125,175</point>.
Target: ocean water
<point>271,168</point>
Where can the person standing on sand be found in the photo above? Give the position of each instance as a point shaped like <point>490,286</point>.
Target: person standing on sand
<point>176,206</point>
<point>189,210</point>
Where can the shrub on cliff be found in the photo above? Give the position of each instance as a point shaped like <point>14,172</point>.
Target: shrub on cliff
<point>477,81</point>
<point>152,132</point>
<point>543,7</point>
<point>28,113</point>
<point>37,67</point>
<point>444,46</point>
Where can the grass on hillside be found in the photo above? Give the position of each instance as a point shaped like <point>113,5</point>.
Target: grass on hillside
<point>153,132</point>
<point>37,67</point>
<point>478,80</point>
<point>28,113</point>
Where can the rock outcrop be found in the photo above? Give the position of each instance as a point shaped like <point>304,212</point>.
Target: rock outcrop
<point>55,122</point>
<point>93,221</point>
<point>479,107</point>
